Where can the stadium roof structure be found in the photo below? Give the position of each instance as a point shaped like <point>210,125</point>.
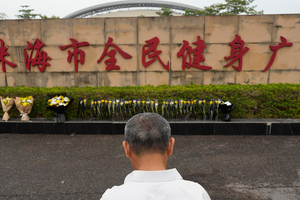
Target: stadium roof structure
<point>119,5</point>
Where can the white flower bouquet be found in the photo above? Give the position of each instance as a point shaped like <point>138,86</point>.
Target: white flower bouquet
<point>58,101</point>
<point>58,104</point>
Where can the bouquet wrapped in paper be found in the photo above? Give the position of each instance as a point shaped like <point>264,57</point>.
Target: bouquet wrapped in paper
<point>58,104</point>
<point>6,104</point>
<point>24,105</point>
<point>226,108</point>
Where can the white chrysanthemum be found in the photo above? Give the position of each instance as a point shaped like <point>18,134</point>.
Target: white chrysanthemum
<point>227,103</point>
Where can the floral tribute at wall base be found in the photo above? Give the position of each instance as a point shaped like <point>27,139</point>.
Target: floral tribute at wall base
<point>58,104</point>
<point>6,103</point>
<point>24,105</point>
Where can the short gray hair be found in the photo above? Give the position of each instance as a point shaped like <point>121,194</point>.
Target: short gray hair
<point>148,133</point>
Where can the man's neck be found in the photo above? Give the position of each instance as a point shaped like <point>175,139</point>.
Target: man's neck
<point>149,162</point>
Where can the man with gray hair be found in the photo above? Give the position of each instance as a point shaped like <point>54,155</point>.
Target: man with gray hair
<point>148,143</point>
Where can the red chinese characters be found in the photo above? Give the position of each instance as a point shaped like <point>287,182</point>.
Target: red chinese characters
<point>196,52</point>
<point>111,62</point>
<point>153,54</point>
<point>191,54</point>
<point>237,52</point>
<point>3,53</point>
<point>284,43</point>
<point>75,53</point>
<point>40,57</point>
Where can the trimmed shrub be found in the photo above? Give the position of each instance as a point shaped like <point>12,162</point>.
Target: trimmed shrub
<point>251,101</point>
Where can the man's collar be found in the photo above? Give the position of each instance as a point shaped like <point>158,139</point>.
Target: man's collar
<point>153,176</point>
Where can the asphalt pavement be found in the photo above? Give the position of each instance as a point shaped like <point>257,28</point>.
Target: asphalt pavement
<point>63,167</point>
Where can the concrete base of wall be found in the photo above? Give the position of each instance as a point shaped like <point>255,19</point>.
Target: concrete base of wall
<point>235,127</point>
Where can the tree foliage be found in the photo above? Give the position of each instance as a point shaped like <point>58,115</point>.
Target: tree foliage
<point>165,12</point>
<point>26,13</point>
<point>231,7</point>
<point>3,16</point>
<point>46,17</point>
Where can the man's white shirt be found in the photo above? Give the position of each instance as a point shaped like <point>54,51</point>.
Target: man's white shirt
<point>156,185</point>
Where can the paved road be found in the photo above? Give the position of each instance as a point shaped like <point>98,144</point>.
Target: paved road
<point>83,166</point>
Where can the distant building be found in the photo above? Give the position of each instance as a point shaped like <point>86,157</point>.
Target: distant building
<point>130,9</point>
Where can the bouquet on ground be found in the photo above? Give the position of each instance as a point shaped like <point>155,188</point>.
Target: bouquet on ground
<point>24,105</point>
<point>6,103</point>
<point>58,104</point>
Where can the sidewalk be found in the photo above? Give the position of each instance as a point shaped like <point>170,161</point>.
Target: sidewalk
<point>65,167</point>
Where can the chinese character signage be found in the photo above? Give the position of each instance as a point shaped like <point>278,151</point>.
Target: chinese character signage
<point>175,50</point>
<point>36,57</point>
<point>191,56</point>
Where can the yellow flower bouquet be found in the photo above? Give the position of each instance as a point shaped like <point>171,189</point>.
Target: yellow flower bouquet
<point>24,105</point>
<point>57,101</point>
<point>6,103</point>
<point>58,104</point>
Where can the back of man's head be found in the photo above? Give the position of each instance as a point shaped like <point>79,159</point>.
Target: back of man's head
<point>147,133</point>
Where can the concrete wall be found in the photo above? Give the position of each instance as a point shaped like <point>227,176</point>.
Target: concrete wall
<point>130,34</point>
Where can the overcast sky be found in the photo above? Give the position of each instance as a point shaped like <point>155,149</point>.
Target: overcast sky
<point>61,8</point>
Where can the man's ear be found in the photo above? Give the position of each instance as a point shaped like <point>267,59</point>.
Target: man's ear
<point>126,149</point>
<point>171,145</point>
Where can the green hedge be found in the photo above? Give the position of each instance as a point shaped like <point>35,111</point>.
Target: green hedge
<point>251,101</point>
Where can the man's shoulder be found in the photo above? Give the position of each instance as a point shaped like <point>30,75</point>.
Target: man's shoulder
<point>186,186</point>
<point>166,184</point>
<point>175,190</point>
